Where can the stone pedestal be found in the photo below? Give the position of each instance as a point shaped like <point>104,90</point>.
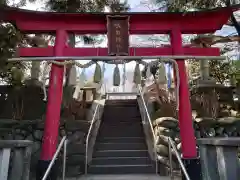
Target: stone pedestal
<point>219,159</point>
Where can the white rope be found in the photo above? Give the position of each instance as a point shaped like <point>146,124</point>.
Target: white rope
<point>93,62</point>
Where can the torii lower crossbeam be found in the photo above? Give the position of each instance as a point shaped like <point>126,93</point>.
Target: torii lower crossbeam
<point>139,51</point>
<point>110,58</point>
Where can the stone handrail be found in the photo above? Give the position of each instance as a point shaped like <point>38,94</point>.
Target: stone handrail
<point>148,128</point>
<point>93,130</point>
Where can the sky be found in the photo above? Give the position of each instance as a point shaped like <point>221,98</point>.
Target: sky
<point>136,6</point>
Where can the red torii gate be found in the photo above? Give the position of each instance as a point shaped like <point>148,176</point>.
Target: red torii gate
<point>174,24</point>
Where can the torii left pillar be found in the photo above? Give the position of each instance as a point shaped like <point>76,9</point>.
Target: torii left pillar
<point>50,136</point>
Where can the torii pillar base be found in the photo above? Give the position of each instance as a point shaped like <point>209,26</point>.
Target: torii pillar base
<point>193,167</point>
<point>42,168</point>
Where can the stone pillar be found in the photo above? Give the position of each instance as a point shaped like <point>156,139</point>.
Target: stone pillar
<point>204,69</point>
<point>219,158</point>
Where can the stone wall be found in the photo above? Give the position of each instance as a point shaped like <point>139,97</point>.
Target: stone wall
<point>21,103</point>
<point>75,130</point>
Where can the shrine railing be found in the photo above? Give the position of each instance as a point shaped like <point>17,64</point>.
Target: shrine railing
<point>17,155</point>
<point>95,120</point>
<point>92,133</point>
<point>63,144</point>
<point>148,128</point>
<point>172,147</point>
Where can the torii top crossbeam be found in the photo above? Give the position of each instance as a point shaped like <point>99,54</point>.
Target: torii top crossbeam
<point>140,23</point>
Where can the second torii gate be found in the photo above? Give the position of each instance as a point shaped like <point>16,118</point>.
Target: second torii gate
<point>61,24</point>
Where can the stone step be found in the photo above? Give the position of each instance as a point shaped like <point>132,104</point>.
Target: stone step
<point>121,160</point>
<point>119,103</point>
<point>122,124</point>
<point>121,133</point>
<point>120,139</point>
<point>125,177</point>
<point>120,146</point>
<point>121,118</point>
<point>122,169</point>
<point>121,153</point>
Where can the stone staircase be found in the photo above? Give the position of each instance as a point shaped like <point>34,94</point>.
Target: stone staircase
<point>120,146</point>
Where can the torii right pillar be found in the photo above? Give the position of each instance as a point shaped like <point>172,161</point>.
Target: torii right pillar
<point>189,151</point>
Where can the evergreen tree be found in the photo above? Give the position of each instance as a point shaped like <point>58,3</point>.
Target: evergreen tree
<point>183,5</point>
<point>219,70</point>
<point>10,38</point>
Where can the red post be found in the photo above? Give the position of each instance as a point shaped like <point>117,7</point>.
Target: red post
<point>185,111</point>
<point>50,136</point>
